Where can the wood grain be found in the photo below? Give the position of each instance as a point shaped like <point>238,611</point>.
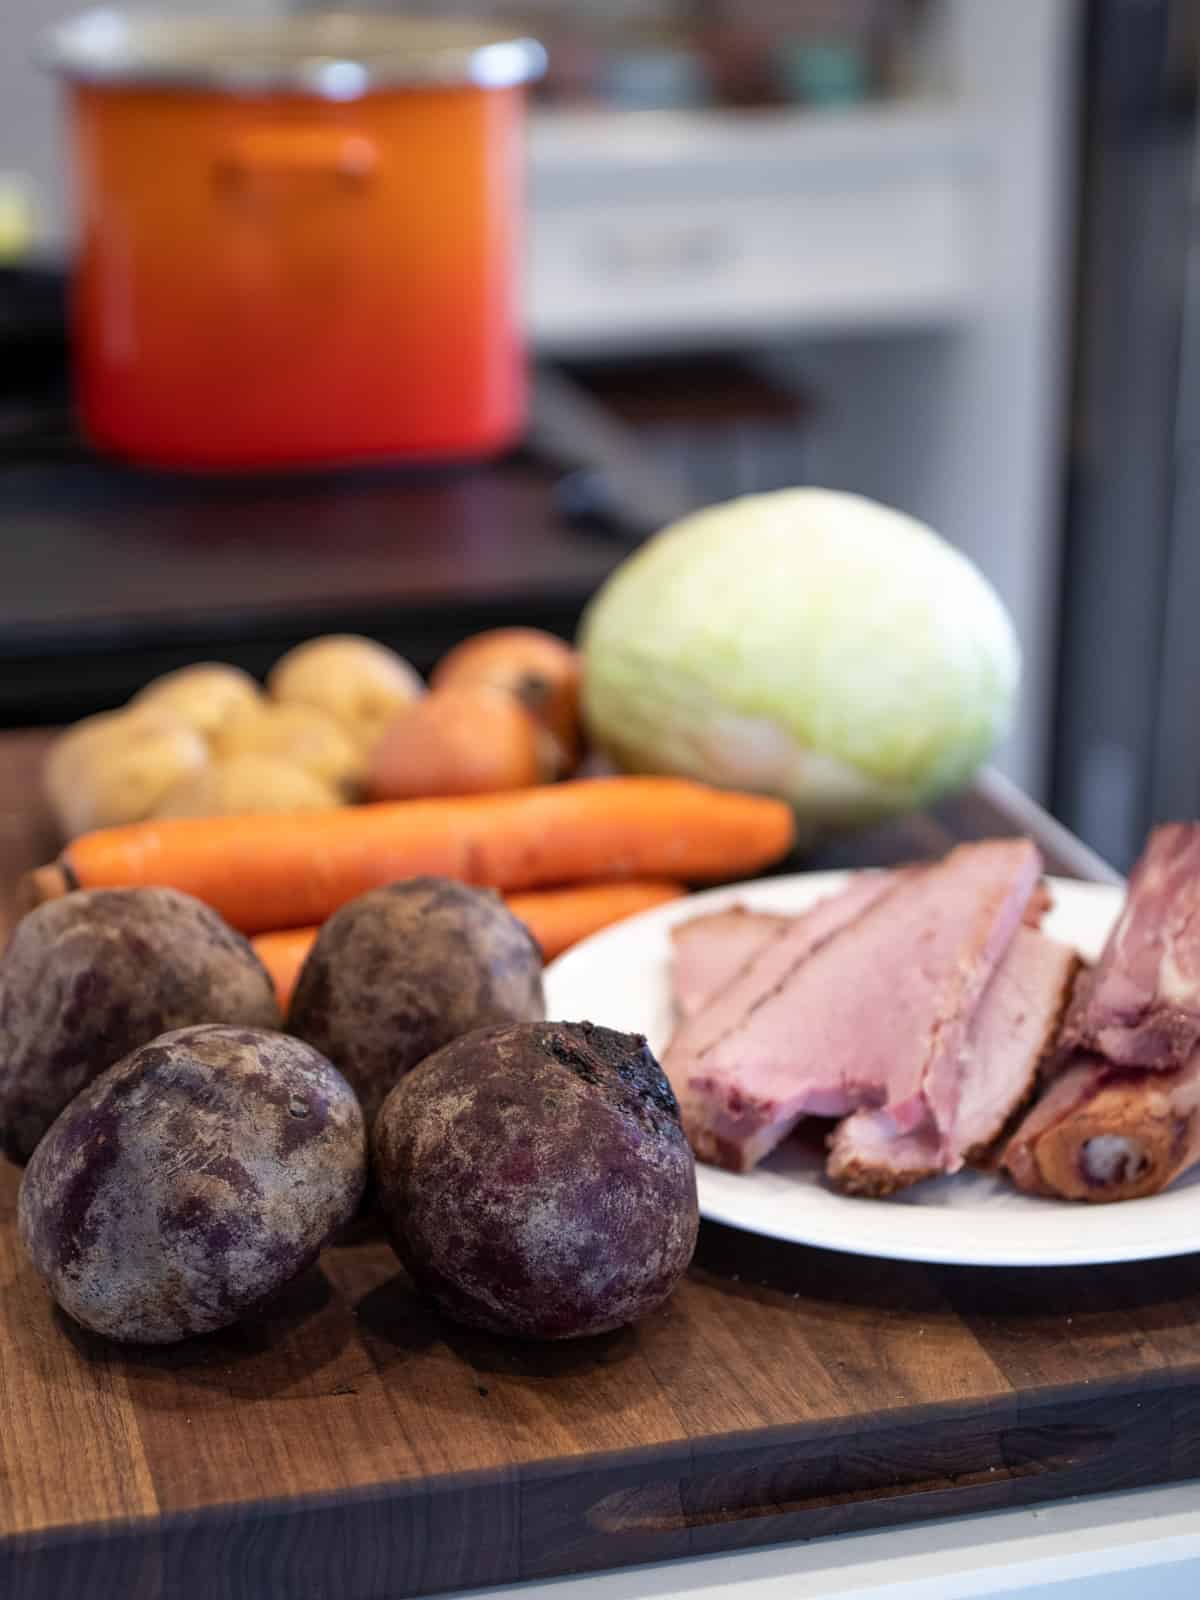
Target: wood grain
<point>348,1441</point>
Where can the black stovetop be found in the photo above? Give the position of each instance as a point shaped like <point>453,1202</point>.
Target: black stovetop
<point>109,575</point>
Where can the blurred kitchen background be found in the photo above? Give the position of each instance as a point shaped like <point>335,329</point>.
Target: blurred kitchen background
<point>940,251</point>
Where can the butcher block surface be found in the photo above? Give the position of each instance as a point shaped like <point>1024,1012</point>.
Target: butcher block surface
<point>351,1442</point>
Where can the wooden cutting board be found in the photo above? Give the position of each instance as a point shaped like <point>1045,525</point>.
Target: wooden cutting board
<point>352,1443</point>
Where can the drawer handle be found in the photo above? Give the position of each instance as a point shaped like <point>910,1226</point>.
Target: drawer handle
<point>711,1499</point>
<point>695,250</point>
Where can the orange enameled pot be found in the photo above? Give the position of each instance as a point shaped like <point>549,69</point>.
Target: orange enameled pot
<point>299,238</point>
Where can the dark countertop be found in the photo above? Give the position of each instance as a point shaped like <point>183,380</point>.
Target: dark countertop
<point>105,571</point>
<point>109,576</point>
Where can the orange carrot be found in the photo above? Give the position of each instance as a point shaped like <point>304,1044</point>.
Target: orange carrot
<point>283,954</point>
<point>267,872</point>
<point>557,918</point>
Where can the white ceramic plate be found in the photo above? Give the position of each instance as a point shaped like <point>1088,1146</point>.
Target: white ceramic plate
<point>621,978</point>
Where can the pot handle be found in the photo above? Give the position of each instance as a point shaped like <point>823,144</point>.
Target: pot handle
<point>279,154</point>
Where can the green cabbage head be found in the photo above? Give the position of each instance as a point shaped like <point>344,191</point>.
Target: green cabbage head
<point>805,643</point>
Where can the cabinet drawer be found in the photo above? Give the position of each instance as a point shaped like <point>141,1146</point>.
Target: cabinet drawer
<point>817,224</point>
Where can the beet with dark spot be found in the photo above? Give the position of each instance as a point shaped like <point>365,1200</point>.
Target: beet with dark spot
<point>536,1180</point>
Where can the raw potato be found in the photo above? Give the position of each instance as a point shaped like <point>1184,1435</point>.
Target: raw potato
<point>117,766</point>
<point>191,1181</point>
<point>302,736</point>
<point>87,978</point>
<point>361,683</point>
<point>535,1179</point>
<point>248,783</point>
<point>207,696</point>
<point>401,971</point>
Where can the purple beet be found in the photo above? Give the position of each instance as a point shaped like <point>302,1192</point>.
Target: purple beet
<point>400,971</point>
<point>535,1179</point>
<point>192,1180</point>
<point>87,978</point>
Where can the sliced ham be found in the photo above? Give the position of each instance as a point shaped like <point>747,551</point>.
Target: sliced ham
<point>868,1156</point>
<point>753,985</point>
<point>1142,1008</point>
<point>708,951</point>
<point>1013,1033</point>
<point>1104,1133</point>
<point>987,930</point>
<point>1012,1030</point>
<point>875,1014</point>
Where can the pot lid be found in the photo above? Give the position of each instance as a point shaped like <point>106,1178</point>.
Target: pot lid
<point>337,55</point>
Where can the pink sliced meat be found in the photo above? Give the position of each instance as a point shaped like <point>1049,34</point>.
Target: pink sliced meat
<point>876,1015</point>
<point>708,951</point>
<point>868,1156</point>
<point>1142,1008</point>
<point>762,977</point>
<point>1104,1133</point>
<point>1011,1032</point>
<point>776,960</point>
<point>986,936</point>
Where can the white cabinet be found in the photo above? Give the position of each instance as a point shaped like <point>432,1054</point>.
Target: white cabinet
<point>911,261</point>
<point>664,227</point>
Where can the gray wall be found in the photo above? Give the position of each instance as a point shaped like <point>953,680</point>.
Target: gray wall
<point>29,128</point>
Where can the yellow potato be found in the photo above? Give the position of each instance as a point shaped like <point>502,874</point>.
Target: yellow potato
<point>361,683</point>
<point>249,782</point>
<point>207,696</point>
<point>300,735</point>
<point>117,766</point>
